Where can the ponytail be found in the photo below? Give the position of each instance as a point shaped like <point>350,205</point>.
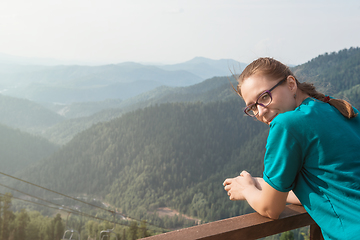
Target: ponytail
<point>344,107</point>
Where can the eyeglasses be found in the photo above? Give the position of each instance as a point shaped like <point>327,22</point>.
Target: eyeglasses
<point>263,100</point>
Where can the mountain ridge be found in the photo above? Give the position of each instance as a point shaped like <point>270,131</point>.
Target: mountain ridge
<point>76,83</point>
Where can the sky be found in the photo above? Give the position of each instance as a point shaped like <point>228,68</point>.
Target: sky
<point>174,31</point>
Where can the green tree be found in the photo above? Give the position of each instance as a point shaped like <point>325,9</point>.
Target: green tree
<point>143,230</point>
<point>133,230</point>
<point>7,216</point>
<point>58,227</point>
<point>36,228</point>
<point>287,236</point>
<point>91,228</point>
<point>21,221</point>
<point>1,200</point>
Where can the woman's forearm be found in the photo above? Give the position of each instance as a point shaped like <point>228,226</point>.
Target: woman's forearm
<point>266,201</point>
<point>263,198</point>
<point>255,199</point>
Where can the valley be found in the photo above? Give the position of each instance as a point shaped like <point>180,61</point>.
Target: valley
<point>158,156</point>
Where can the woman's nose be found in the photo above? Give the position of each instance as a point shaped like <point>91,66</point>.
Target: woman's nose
<point>262,110</point>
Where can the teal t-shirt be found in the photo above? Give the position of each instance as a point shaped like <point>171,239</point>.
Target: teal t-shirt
<point>315,151</point>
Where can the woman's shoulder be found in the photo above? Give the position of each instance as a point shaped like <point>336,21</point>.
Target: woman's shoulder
<point>308,111</point>
<point>312,113</point>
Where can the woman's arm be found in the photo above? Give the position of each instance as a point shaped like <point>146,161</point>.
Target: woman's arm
<point>291,198</point>
<point>264,199</point>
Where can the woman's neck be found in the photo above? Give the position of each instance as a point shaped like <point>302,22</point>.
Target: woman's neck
<point>300,97</point>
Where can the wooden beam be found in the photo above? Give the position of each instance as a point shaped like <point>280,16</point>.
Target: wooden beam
<point>247,227</point>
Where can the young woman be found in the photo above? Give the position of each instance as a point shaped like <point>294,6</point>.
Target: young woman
<point>312,152</point>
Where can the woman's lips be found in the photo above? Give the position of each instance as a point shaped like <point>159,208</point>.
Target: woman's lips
<point>269,121</point>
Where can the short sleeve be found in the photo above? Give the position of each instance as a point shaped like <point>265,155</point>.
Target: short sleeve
<point>283,158</point>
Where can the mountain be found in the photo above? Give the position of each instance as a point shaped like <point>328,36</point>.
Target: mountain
<point>197,92</point>
<point>26,115</point>
<point>80,91</point>
<point>211,90</point>
<point>68,84</point>
<point>208,68</point>
<point>352,95</point>
<point>334,72</point>
<point>158,153</point>
<point>20,150</point>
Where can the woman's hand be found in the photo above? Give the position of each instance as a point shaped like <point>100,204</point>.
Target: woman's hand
<point>236,186</point>
<point>263,198</point>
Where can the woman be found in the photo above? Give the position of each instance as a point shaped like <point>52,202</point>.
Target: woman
<point>312,152</point>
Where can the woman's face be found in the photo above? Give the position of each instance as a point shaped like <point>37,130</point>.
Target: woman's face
<point>283,99</point>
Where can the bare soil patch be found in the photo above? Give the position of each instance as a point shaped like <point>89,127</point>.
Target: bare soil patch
<point>165,211</point>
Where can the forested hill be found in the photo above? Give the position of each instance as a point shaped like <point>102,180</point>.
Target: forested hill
<point>334,72</point>
<point>19,149</point>
<point>26,115</point>
<point>162,155</point>
<point>210,90</point>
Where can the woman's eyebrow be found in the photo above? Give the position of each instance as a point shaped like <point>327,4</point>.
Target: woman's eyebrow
<point>257,97</point>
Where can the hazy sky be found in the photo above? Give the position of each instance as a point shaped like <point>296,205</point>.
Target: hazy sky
<point>168,31</point>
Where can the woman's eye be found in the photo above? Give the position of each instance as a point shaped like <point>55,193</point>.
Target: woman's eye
<point>253,107</point>
<point>265,97</point>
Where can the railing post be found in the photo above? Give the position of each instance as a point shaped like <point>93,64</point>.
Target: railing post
<point>315,232</point>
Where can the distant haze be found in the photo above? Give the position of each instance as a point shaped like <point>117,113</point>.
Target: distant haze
<point>77,83</point>
<point>168,32</point>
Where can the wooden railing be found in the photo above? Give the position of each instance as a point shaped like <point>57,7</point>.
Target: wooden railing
<point>249,226</point>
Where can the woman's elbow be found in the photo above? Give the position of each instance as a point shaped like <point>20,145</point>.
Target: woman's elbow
<point>273,215</point>
<point>273,212</point>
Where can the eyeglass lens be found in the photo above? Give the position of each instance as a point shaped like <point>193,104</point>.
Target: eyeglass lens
<point>263,100</point>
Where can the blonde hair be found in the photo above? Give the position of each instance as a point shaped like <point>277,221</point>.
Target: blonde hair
<point>276,70</point>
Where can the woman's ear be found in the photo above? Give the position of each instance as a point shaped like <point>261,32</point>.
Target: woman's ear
<point>291,81</point>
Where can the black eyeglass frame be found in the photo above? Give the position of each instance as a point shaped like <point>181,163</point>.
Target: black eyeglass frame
<point>257,103</point>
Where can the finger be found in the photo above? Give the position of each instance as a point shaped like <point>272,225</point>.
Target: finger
<point>227,187</point>
<point>231,197</point>
<point>244,173</point>
<point>227,181</point>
